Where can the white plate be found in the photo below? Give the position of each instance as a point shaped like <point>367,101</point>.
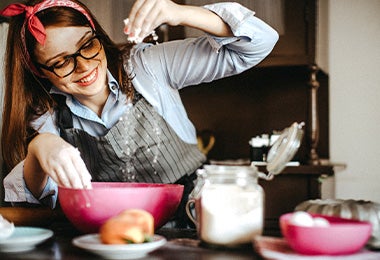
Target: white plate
<point>24,239</point>
<point>93,244</point>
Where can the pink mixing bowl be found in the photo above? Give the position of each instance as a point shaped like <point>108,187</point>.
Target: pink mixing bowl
<point>342,236</point>
<point>87,210</point>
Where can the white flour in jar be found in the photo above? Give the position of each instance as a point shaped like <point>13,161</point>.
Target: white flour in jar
<point>231,215</point>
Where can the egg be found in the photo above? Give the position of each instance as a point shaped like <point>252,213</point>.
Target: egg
<point>301,218</point>
<point>6,228</point>
<point>321,222</point>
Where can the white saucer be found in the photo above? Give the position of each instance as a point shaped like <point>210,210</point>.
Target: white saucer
<point>24,239</point>
<point>93,244</point>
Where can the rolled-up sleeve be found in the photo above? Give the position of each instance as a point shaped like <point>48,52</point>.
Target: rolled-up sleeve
<point>244,24</point>
<point>196,60</point>
<point>16,191</point>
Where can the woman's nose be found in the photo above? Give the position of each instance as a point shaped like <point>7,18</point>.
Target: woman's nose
<point>82,64</point>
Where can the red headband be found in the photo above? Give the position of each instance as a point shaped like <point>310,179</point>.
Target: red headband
<point>35,26</point>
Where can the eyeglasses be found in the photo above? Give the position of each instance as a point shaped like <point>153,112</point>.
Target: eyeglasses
<point>68,64</point>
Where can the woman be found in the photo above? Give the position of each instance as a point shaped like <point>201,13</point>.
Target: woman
<point>68,84</point>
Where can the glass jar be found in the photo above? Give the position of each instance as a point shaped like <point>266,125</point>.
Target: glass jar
<point>229,202</point>
<point>229,205</point>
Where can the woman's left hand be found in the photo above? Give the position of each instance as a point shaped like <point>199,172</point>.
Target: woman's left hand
<point>146,15</point>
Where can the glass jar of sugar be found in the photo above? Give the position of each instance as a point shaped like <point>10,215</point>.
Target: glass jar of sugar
<point>229,202</point>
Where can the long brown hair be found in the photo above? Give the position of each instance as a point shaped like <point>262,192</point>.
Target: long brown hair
<point>27,95</point>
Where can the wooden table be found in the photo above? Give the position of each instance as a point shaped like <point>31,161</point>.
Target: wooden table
<point>182,244</point>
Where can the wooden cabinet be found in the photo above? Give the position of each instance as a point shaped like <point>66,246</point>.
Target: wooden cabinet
<point>255,102</point>
<point>296,45</point>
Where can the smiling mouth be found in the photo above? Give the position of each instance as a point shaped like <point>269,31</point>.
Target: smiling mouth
<point>89,78</point>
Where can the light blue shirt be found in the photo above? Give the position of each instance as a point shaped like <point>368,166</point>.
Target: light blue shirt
<point>160,72</point>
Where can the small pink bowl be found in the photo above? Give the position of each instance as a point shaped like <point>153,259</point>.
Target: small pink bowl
<point>87,210</point>
<point>343,236</point>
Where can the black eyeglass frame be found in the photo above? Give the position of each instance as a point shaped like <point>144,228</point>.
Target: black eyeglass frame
<point>74,56</point>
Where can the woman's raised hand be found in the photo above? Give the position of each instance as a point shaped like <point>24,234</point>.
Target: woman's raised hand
<point>146,15</point>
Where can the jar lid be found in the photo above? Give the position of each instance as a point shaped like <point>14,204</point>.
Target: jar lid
<point>284,148</point>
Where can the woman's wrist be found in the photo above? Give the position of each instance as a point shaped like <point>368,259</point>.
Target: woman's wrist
<point>35,178</point>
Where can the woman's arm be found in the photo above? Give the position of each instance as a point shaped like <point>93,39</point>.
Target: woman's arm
<point>204,20</point>
<point>49,162</point>
<point>50,155</point>
<point>195,60</point>
<point>146,15</point>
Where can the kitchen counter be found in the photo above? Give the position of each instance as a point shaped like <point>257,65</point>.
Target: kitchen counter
<point>182,244</point>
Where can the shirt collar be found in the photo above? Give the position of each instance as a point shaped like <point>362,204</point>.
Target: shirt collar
<point>112,84</point>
